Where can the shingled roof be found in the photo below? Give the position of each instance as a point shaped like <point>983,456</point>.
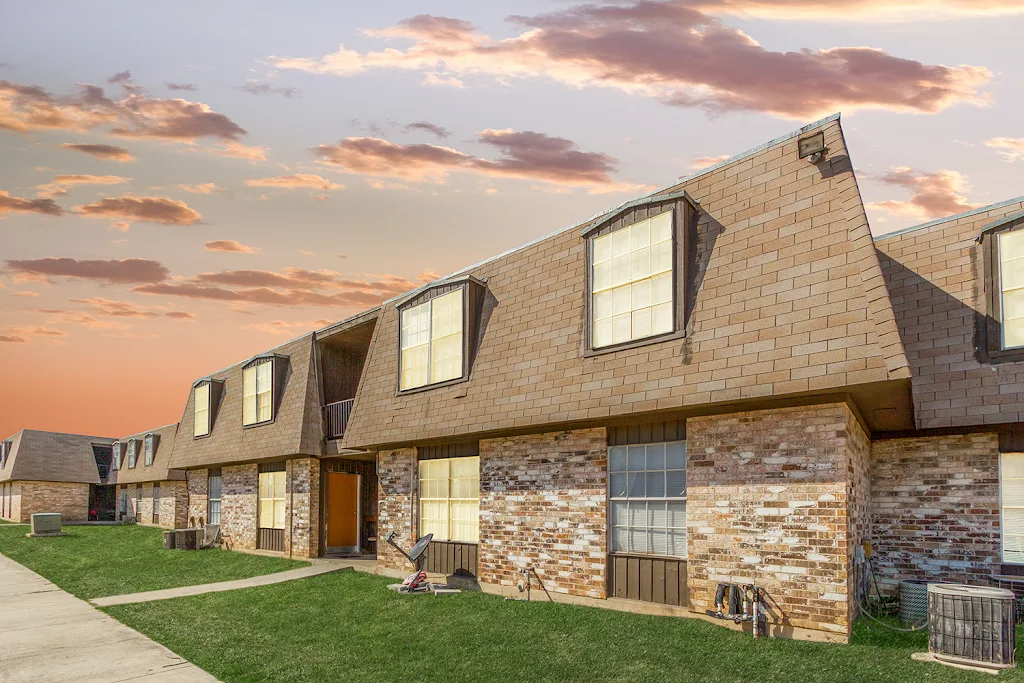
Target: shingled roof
<point>52,456</point>
<point>790,301</point>
<point>160,469</point>
<point>296,428</point>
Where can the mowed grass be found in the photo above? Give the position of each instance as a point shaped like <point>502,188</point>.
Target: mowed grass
<point>346,626</point>
<point>95,561</point>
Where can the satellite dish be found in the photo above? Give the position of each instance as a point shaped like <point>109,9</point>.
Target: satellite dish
<point>420,547</point>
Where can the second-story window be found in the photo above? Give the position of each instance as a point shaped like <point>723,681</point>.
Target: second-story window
<point>132,455</point>
<point>115,456</point>
<point>149,450</point>
<point>631,282</point>
<point>1011,287</point>
<point>258,392</point>
<point>432,341</point>
<point>201,400</point>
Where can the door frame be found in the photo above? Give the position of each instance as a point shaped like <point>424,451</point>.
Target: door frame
<point>357,548</point>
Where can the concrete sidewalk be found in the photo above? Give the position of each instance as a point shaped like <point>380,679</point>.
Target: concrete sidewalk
<point>265,580</point>
<point>48,635</point>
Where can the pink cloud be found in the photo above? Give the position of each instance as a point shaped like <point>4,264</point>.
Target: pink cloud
<point>146,209</point>
<point>297,180</point>
<point>111,152</point>
<point>933,195</point>
<point>1010,149</point>
<point>230,246</point>
<point>11,204</point>
<point>126,271</point>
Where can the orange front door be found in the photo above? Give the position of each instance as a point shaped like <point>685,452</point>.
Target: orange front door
<point>342,510</point>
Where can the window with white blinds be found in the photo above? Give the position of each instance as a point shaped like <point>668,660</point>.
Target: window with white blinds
<point>647,499</point>
<point>1011,497</point>
<point>115,456</point>
<point>213,492</point>
<point>149,450</point>
<point>257,392</point>
<point>201,403</point>
<point>450,499</point>
<point>631,282</point>
<point>132,452</point>
<point>1011,287</point>
<point>432,341</point>
<point>272,500</point>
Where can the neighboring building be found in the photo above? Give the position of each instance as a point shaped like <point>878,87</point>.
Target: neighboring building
<point>148,490</point>
<point>53,472</point>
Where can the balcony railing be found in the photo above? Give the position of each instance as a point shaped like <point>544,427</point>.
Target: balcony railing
<point>337,417</point>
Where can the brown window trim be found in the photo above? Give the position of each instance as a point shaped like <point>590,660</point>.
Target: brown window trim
<point>991,328</point>
<point>683,260</point>
<point>470,315</point>
<point>277,370</point>
<point>216,388</point>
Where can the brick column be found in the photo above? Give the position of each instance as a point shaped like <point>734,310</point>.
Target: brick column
<point>239,495</point>
<point>303,499</point>
<point>198,483</point>
<point>396,483</point>
<point>777,498</point>
<point>543,505</point>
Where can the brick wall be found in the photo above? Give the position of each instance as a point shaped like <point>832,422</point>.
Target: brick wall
<point>239,499</point>
<point>396,483</point>
<point>70,500</point>
<point>13,492</point>
<point>198,504</point>
<point>302,539</point>
<point>173,505</point>
<point>768,496</point>
<point>858,497</point>
<point>935,508</point>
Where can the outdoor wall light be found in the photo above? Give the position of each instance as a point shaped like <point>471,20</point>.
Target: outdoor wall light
<point>812,147</point>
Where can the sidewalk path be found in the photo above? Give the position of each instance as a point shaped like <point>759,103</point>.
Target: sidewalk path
<point>321,567</point>
<point>49,635</point>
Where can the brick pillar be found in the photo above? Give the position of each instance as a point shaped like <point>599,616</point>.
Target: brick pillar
<point>198,482</point>
<point>396,483</point>
<point>543,506</point>
<point>777,498</point>
<point>303,499</point>
<point>239,499</point>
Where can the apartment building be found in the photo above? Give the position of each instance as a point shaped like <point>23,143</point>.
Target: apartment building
<point>149,492</point>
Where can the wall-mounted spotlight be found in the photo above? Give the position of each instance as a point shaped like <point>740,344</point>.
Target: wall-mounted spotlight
<point>813,147</point>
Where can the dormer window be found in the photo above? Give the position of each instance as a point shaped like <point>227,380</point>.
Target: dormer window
<point>132,452</point>
<point>115,456</point>
<point>636,273</point>
<point>1011,287</point>
<point>149,448</point>
<point>258,392</point>
<point>436,335</point>
<point>201,405</point>
<point>5,452</point>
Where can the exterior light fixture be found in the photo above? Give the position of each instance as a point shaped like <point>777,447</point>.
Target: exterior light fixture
<point>812,147</point>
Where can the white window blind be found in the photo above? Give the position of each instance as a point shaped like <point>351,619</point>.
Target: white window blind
<point>115,456</point>
<point>257,388</point>
<point>647,492</point>
<point>1011,285</point>
<point>450,499</point>
<point>272,500</point>
<point>131,452</point>
<point>632,282</point>
<point>431,341</point>
<point>201,401</point>
<point>213,492</point>
<point>1011,495</point>
<point>149,450</point>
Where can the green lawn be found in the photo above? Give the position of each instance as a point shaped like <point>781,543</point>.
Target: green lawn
<point>347,626</point>
<point>94,561</point>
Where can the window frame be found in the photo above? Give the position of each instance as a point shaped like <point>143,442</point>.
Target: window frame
<point>450,520</point>
<point>209,408</point>
<point>210,499</point>
<point>115,460</point>
<point>156,502</point>
<point>426,298</point>
<point>149,450</point>
<point>1002,507</point>
<point>683,255</point>
<point>133,453</point>
<point>283,500</point>
<point>610,499</point>
<point>992,327</point>
<point>254,365</point>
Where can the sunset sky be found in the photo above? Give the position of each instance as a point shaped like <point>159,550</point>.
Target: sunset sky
<point>186,184</point>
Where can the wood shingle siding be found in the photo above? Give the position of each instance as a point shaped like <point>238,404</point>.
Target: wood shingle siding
<point>788,298</point>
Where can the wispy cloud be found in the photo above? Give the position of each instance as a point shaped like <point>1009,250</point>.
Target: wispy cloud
<point>185,87</point>
<point>297,180</point>
<point>125,271</point>
<point>1010,149</point>
<point>111,152</point>
<point>439,131</point>
<point>60,184</point>
<point>933,195</point>
<point>280,327</point>
<point>230,246</point>
<point>146,209</point>
<point>11,204</point>
<point>256,88</point>
<point>201,188</point>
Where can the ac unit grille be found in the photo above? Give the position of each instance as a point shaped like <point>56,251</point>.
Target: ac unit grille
<point>971,624</point>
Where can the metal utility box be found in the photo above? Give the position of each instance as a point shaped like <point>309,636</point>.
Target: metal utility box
<point>971,625</point>
<point>187,539</point>
<point>169,538</point>
<point>46,524</point>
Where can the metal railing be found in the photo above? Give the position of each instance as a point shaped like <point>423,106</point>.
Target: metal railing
<point>337,415</point>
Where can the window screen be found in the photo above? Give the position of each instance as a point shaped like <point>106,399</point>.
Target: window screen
<point>213,498</point>
<point>647,499</point>
<point>432,342</point>
<point>632,282</point>
<point>272,500</point>
<point>450,499</point>
<point>1011,495</point>
<point>201,396</point>
<point>257,390</point>
<point>1011,287</point>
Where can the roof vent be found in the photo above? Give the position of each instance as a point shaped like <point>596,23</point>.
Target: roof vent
<point>971,625</point>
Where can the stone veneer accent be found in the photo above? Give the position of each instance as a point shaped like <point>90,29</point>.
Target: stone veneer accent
<point>935,508</point>
<point>543,506</point>
<point>769,502</point>
<point>396,484</point>
<point>30,497</point>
